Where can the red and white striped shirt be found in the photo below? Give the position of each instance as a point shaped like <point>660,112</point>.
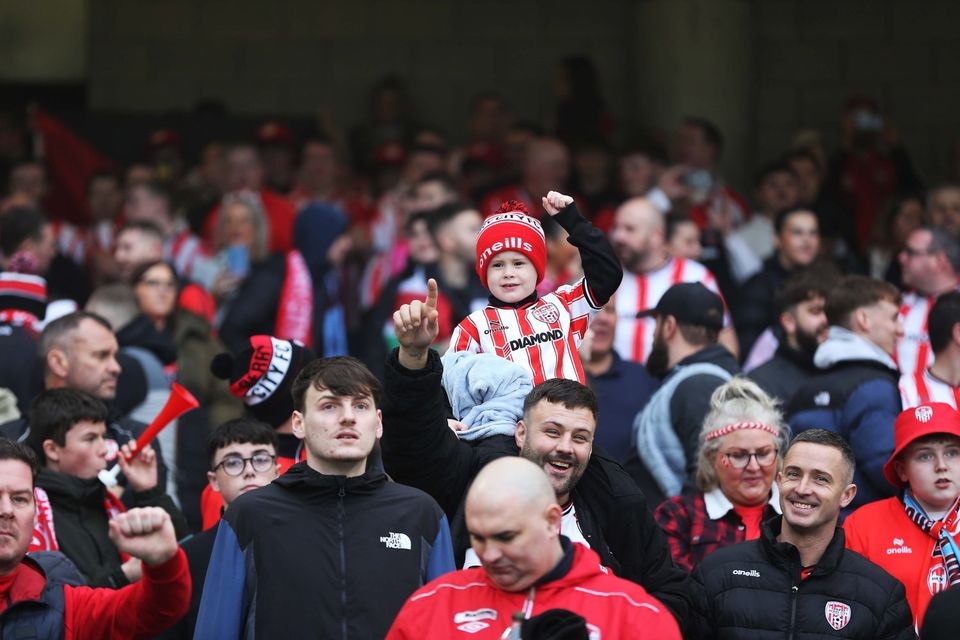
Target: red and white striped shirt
<point>922,387</point>
<point>71,241</point>
<point>185,251</point>
<point>913,349</point>
<point>542,337</point>
<point>641,291</point>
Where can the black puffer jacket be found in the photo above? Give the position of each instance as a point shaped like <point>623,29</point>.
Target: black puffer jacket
<point>753,590</point>
<point>420,450</point>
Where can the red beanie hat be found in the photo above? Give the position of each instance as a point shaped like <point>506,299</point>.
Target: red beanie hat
<point>510,228</point>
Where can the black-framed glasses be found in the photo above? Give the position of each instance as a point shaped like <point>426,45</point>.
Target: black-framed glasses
<point>913,253</point>
<point>234,465</point>
<point>741,459</point>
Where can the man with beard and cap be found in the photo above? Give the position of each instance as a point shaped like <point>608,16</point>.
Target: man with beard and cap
<point>601,506</point>
<point>802,326</point>
<point>529,566</point>
<point>692,364</point>
<point>638,237</point>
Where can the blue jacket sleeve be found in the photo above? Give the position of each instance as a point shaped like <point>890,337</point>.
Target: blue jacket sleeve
<point>870,413</point>
<point>222,607</point>
<point>441,552</point>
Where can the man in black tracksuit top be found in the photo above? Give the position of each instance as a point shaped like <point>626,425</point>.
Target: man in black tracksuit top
<point>331,549</point>
<point>419,449</point>
<point>797,578</point>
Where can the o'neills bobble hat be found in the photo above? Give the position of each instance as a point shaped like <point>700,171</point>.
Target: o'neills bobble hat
<point>511,228</point>
<point>262,375</point>
<point>916,422</point>
<point>690,303</point>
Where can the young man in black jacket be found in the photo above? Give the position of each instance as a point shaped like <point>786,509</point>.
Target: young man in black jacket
<point>604,508</point>
<point>797,577</point>
<point>74,508</point>
<point>331,548</point>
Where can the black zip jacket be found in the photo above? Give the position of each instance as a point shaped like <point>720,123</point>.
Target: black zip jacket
<point>312,555</point>
<point>81,523</point>
<point>753,590</point>
<point>419,449</point>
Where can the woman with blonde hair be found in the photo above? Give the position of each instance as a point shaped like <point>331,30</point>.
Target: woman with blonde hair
<point>741,445</point>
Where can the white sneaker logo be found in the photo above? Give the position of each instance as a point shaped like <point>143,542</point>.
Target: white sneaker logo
<point>396,541</point>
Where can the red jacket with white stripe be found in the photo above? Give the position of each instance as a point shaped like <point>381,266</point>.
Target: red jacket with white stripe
<point>543,334</point>
<point>466,604</point>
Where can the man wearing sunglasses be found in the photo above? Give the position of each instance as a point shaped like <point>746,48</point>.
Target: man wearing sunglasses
<point>243,457</point>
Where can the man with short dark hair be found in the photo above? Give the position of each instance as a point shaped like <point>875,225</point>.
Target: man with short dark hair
<point>797,578</point>
<point>776,190</point>
<point>514,519</point>
<point>67,433</point>
<point>801,327</point>
<point>35,604</point>
<point>687,357</point>
<point>138,242</point>
<point>797,241</point>
<point>601,506</point>
<point>327,532</point>
<point>855,393</point>
<point>27,241</point>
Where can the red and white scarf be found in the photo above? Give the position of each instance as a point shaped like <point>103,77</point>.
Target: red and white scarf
<point>44,532</point>
<point>295,312</point>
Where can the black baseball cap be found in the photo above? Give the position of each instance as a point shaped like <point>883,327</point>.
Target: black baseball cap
<point>690,303</point>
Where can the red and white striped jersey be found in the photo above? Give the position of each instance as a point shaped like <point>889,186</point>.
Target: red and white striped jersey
<point>913,349</point>
<point>542,337</point>
<point>641,291</point>
<point>71,241</point>
<point>921,387</point>
<point>185,251</point>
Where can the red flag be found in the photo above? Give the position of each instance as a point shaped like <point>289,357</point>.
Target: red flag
<point>71,161</point>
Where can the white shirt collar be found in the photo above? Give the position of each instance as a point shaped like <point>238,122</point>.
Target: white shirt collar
<point>718,505</point>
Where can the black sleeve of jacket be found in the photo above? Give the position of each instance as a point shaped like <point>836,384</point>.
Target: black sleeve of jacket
<point>418,447</point>
<point>897,621</point>
<point>634,539</point>
<point>702,627</point>
<point>157,497</point>
<point>601,268</point>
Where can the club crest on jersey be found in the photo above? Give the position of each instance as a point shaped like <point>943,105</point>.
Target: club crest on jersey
<point>923,414</point>
<point>837,613</point>
<point>937,579</point>
<point>547,313</point>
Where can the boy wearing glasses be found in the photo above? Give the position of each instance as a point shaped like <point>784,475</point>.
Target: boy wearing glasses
<point>243,457</point>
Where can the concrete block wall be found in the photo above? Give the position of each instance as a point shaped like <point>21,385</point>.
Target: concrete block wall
<point>301,56</point>
<point>813,54</point>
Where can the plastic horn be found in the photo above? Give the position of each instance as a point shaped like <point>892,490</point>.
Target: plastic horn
<point>179,402</point>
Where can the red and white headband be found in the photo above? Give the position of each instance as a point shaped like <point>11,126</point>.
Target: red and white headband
<point>737,426</point>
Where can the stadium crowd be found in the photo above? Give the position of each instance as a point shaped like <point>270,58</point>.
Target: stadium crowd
<point>520,383</point>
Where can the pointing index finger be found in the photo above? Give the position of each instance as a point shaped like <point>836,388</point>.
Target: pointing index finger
<point>432,294</point>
